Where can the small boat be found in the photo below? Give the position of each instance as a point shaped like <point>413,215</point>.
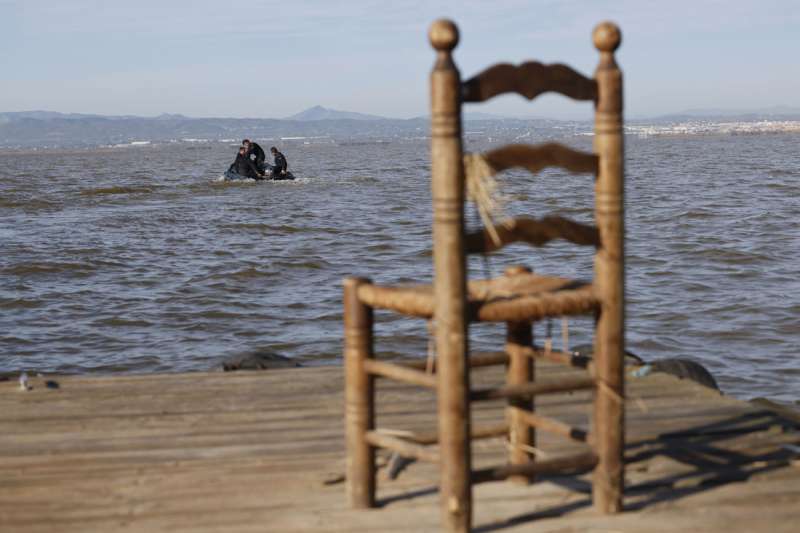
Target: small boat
<point>230,175</point>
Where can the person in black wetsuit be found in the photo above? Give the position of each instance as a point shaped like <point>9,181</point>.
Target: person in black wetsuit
<point>281,166</point>
<point>255,153</point>
<point>244,166</point>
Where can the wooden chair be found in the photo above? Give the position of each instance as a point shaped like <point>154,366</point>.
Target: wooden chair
<point>517,298</point>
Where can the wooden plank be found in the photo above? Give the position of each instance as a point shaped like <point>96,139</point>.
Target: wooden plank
<point>247,452</point>
<point>578,462</point>
<point>569,384</point>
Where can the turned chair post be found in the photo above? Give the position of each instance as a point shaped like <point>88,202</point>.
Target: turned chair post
<point>449,286</point>
<point>359,397</point>
<point>521,370</point>
<point>609,349</point>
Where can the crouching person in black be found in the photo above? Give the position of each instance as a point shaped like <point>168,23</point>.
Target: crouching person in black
<point>255,153</point>
<point>244,166</point>
<point>281,166</point>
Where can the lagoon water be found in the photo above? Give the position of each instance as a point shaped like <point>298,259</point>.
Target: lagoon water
<point>137,259</point>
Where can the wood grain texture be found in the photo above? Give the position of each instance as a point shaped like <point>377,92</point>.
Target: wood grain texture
<point>531,231</point>
<point>432,437</point>
<point>359,397</point>
<point>521,370</point>
<point>529,79</point>
<point>609,342</point>
<point>450,282</point>
<point>577,463</point>
<point>247,452</point>
<point>527,390</point>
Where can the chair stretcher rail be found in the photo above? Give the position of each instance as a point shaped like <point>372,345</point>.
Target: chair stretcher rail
<point>402,446</point>
<point>551,425</point>
<point>475,360</point>
<point>400,373</point>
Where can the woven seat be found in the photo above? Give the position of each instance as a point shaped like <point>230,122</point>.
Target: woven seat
<point>508,298</point>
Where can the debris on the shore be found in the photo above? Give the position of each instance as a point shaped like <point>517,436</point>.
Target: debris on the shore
<point>397,463</point>
<point>23,382</point>
<point>686,369</point>
<point>334,478</point>
<point>257,360</point>
<point>679,367</point>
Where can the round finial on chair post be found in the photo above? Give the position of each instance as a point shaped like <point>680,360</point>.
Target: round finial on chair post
<point>606,36</point>
<point>443,35</point>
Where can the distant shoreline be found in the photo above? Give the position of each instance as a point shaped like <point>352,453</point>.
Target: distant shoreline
<point>491,130</point>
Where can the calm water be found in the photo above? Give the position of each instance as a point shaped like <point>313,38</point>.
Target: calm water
<point>137,260</point>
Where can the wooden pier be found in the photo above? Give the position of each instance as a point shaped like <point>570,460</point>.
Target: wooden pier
<point>264,451</point>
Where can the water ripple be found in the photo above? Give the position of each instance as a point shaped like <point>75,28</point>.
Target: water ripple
<point>126,261</point>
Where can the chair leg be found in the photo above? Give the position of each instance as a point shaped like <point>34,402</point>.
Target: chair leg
<point>608,428</point>
<point>521,370</point>
<point>609,349</point>
<point>359,397</point>
<point>450,279</point>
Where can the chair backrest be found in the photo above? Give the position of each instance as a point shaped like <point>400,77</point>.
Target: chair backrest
<point>451,243</point>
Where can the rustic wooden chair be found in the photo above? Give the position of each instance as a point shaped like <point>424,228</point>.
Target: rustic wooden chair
<point>518,298</point>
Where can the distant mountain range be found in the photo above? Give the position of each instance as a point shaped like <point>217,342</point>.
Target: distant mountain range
<point>323,113</point>
<point>48,129</point>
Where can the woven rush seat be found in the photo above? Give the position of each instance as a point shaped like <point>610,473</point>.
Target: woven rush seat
<point>519,297</point>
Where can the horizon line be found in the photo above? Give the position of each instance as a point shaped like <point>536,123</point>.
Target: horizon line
<point>698,112</point>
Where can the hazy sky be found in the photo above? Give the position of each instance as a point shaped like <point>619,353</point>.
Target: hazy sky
<point>272,59</point>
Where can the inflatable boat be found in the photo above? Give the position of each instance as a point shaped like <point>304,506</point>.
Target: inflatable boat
<point>230,175</point>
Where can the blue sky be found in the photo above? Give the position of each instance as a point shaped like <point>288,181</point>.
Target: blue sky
<point>273,59</point>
